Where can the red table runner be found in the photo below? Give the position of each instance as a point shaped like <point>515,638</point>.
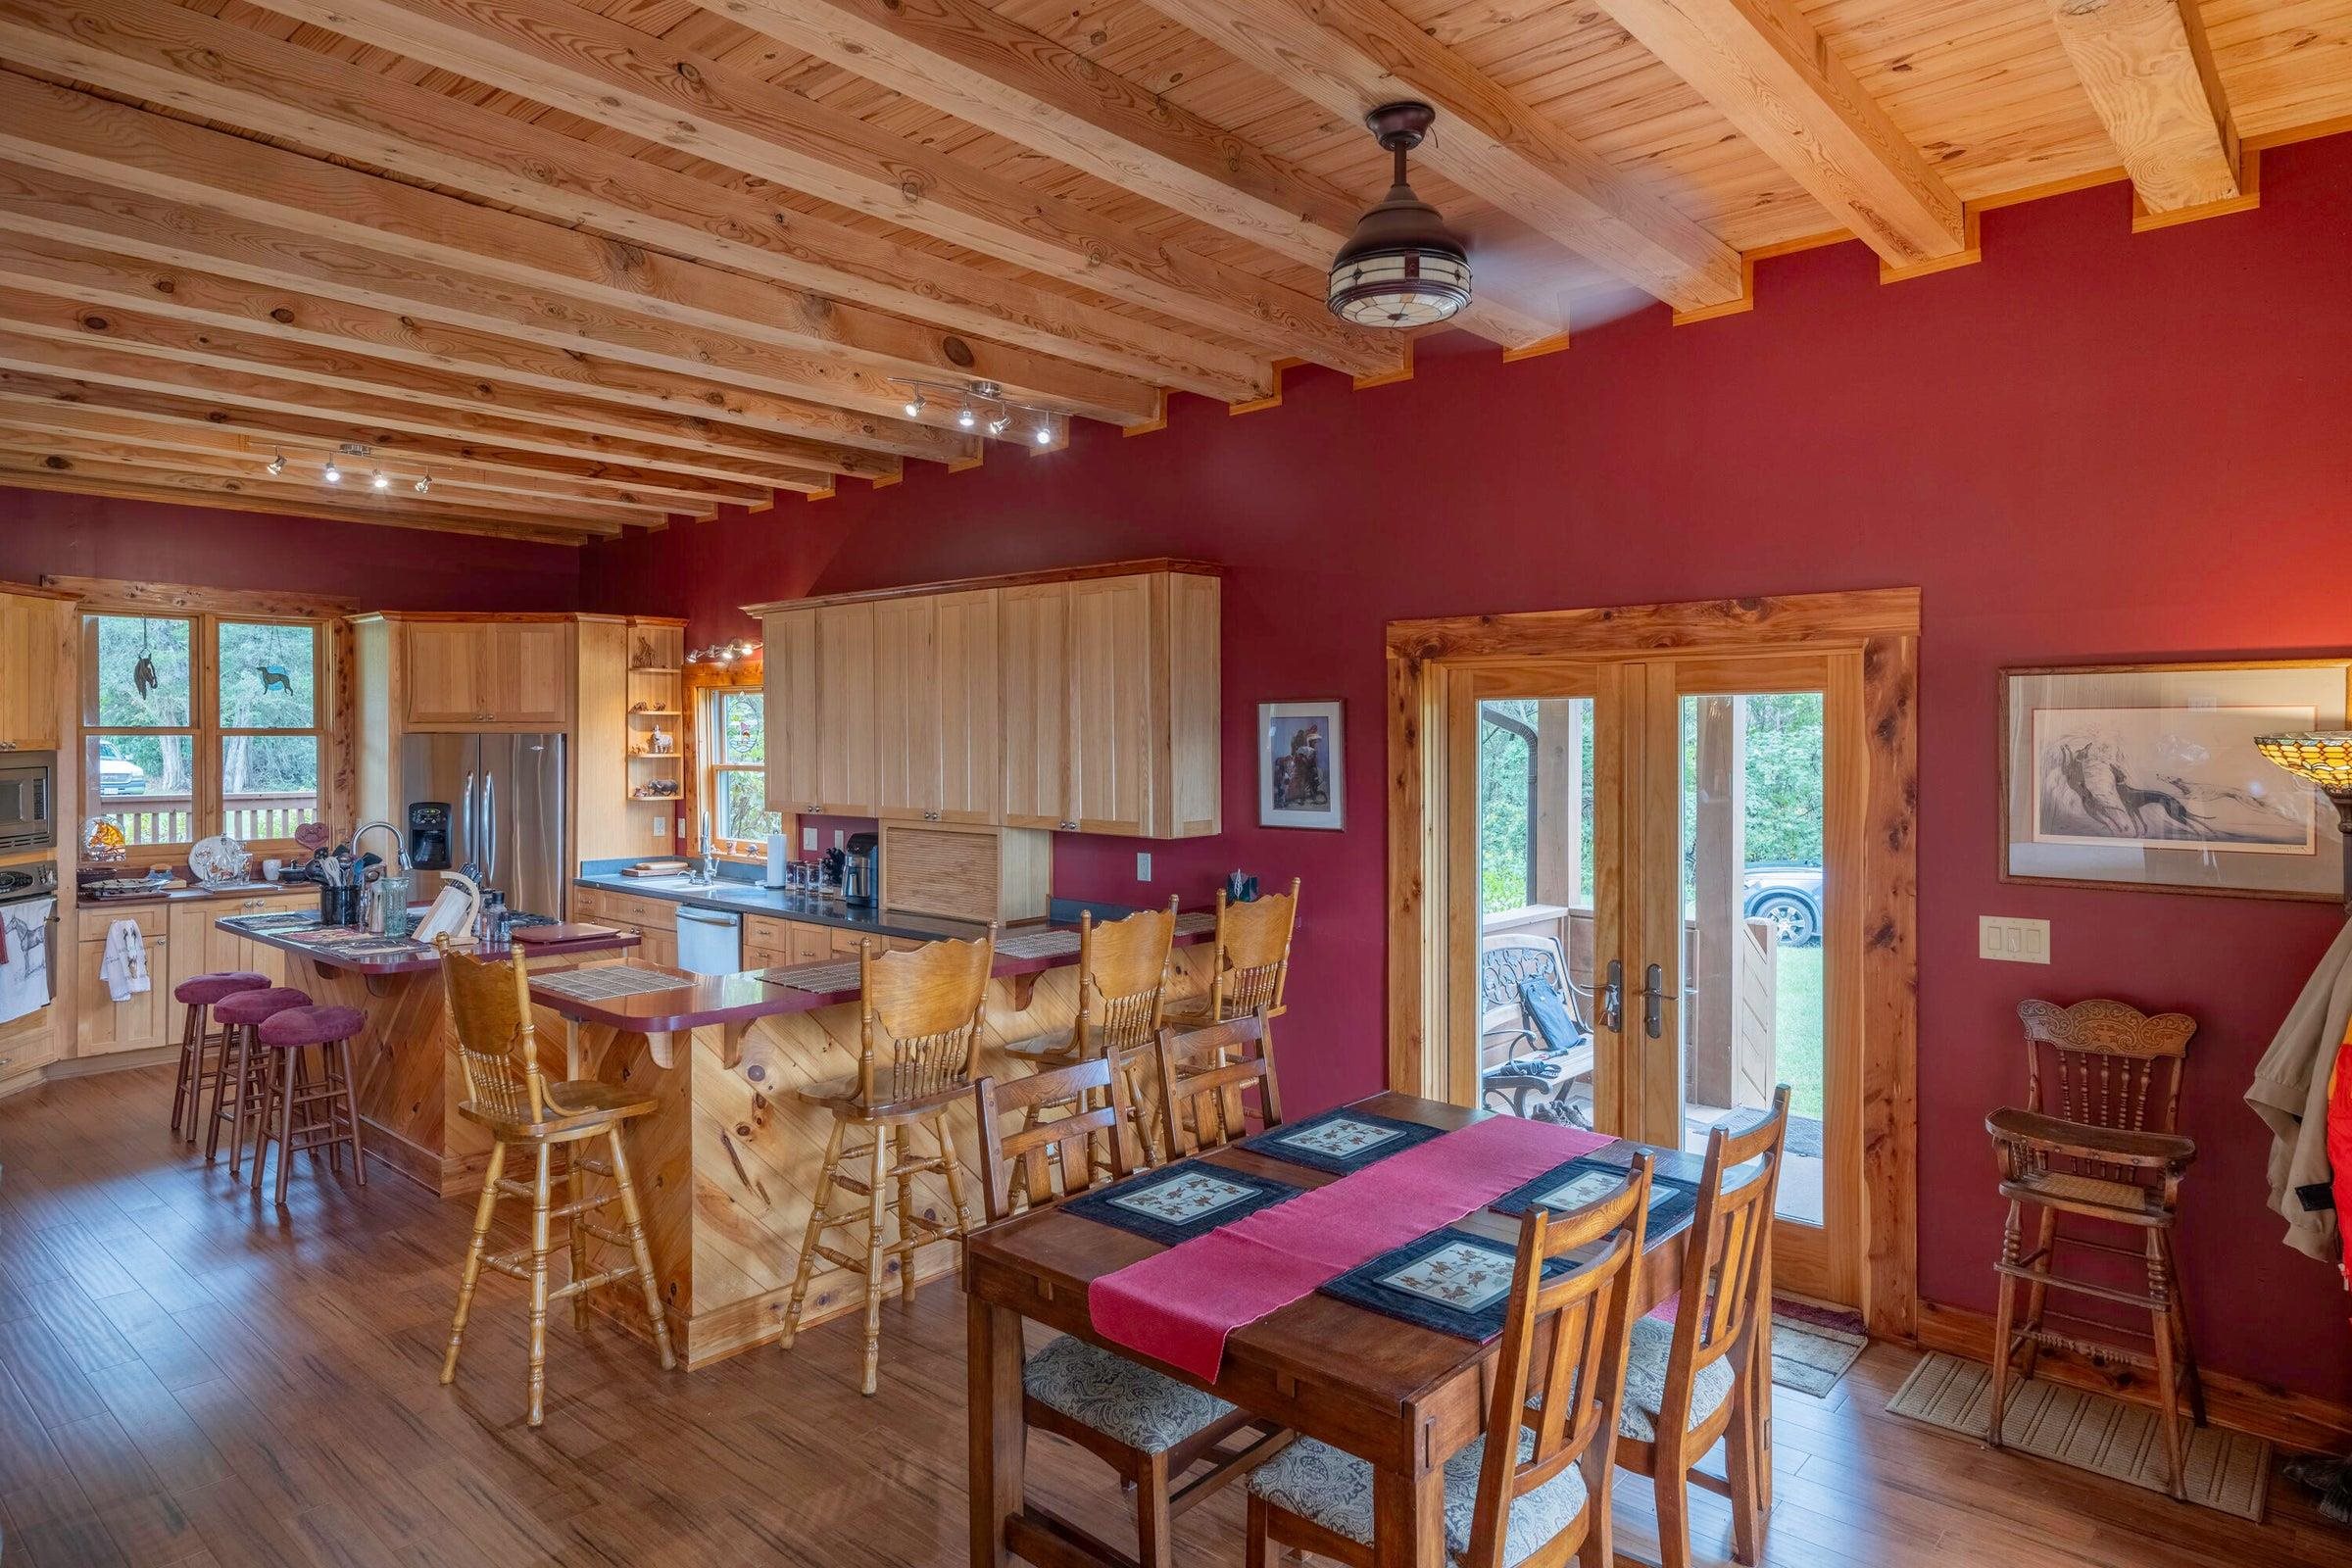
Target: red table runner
<point>1180,1304</point>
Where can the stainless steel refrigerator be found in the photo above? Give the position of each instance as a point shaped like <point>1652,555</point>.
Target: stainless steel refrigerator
<point>506,798</point>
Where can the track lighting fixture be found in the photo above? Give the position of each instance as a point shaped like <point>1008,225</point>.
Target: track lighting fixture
<point>1045,435</point>
<point>383,481</point>
<point>983,406</point>
<point>914,407</point>
<point>332,474</point>
<point>966,417</point>
<point>1001,424</point>
<point>276,465</point>
<point>424,484</point>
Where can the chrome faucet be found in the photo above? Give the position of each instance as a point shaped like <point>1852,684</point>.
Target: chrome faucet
<point>400,846</point>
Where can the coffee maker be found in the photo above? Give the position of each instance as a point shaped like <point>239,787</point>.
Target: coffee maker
<point>862,874</point>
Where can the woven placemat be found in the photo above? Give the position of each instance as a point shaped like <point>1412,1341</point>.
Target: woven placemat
<point>2229,1472</point>
<point>816,976</point>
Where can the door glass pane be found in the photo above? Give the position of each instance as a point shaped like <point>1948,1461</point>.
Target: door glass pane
<point>266,675</point>
<point>269,785</point>
<point>1537,812</point>
<point>145,786</point>
<point>138,673</point>
<point>1751,872</point>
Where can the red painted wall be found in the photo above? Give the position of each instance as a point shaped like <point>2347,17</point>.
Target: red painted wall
<point>44,531</point>
<point>2094,446</point>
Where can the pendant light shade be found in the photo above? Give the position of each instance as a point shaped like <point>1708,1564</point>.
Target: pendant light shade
<point>1402,266</point>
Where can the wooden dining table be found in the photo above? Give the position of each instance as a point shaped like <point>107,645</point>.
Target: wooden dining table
<point>1404,1398</point>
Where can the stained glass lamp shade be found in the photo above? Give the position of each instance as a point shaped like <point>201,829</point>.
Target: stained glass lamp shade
<point>2324,757</point>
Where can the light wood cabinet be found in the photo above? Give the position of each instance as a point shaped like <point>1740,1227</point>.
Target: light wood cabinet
<point>137,1022</point>
<point>1086,701</point>
<point>29,1043</point>
<point>477,674</point>
<point>32,717</point>
<point>198,945</point>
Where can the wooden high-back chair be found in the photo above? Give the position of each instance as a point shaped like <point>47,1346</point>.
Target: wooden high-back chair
<point>1543,1500</point>
<point>498,1053</point>
<point>2096,1140</point>
<point>1696,1379</point>
<point>1203,1076</point>
<point>1054,1158</point>
<point>1250,964</point>
<point>918,1047</point>
<point>1122,997</point>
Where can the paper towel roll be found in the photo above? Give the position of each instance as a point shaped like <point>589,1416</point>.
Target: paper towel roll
<point>779,851</point>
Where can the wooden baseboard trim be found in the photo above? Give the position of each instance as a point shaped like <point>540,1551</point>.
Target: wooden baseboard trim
<point>2298,1421</point>
<point>117,1061</point>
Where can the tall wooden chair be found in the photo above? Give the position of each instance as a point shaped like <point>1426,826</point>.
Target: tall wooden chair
<point>1249,967</point>
<point>498,1049</point>
<point>919,1044</point>
<point>2104,1151</point>
<point>1149,1428</point>
<point>1122,997</point>
<point>1559,1381</point>
<point>1204,1074</point>
<point>1693,1380</point>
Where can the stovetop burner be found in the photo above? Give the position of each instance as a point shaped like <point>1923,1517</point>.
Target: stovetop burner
<point>14,884</point>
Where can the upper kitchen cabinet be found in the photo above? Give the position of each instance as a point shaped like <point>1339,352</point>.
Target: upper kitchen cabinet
<point>470,674</point>
<point>33,627</point>
<point>1080,701</point>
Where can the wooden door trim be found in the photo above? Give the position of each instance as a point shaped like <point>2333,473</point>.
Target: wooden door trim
<point>1432,714</point>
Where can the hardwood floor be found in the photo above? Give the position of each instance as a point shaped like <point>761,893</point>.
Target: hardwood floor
<point>191,1380</point>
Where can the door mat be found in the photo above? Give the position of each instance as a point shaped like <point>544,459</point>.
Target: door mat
<point>1812,1347</point>
<point>2227,1471</point>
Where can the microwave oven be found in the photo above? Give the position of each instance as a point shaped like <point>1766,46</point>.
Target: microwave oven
<point>28,800</point>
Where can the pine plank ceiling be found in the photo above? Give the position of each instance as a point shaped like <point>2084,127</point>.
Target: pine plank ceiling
<point>587,265</point>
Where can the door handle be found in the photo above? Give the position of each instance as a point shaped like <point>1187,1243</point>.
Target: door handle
<point>490,826</point>
<point>1612,999</point>
<point>1653,1002</point>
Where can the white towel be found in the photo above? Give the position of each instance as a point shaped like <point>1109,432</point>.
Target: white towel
<point>24,975</point>
<point>125,966</point>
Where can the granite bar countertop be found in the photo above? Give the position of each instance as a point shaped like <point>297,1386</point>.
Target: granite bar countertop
<point>730,895</point>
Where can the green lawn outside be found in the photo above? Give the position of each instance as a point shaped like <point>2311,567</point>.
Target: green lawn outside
<point>1797,1049</point>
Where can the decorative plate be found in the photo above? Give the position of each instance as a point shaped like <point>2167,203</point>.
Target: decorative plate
<point>218,859</point>
<point>1180,1201</point>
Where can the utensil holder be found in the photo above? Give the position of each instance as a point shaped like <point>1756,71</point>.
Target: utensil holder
<point>339,906</point>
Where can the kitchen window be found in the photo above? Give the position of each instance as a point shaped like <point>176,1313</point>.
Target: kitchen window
<point>735,723</point>
<point>202,724</point>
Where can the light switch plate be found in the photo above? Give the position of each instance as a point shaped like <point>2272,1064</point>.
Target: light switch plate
<point>809,840</point>
<point>1143,865</point>
<point>841,838</point>
<point>2012,940</point>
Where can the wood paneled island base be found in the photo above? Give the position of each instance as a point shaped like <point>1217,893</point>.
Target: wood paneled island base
<point>727,1166</point>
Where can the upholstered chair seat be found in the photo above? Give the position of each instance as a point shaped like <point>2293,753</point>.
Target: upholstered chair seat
<point>1118,1397</point>
<point>1645,1383</point>
<point>1331,1488</point>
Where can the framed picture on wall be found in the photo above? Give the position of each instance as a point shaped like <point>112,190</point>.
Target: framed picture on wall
<point>2146,776</point>
<point>1301,778</point>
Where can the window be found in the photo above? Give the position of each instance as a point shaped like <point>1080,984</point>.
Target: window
<point>736,722</point>
<point>200,725</point>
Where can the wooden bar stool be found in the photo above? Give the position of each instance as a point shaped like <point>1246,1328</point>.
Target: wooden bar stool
<point>1122,993</point>
<point>237,1071</point>
<point>298,1112</point>
<point>197,993</point>
<point>2107,1154</point>
<point>1251,963</point>
<point>919,1043</point>
<point>490,1010</point>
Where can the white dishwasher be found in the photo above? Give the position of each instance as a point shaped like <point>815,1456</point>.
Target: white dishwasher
<point>710,940</point>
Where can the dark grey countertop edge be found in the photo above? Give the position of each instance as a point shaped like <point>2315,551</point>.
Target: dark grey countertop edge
<point>731,896</point>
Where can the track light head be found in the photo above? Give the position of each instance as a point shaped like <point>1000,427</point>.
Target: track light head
<point>966,419</point>
<point>276,465</point>
<point>424,484</point>
<point>332,474</point>
<point>383,481</point>
<point>1001,424</point>
<point>1044,435</point>
<point>914,407</point>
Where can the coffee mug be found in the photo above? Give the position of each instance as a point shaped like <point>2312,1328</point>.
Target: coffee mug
<point>270,868</point>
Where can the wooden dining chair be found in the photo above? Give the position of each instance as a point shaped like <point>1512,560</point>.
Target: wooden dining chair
<point>918,1030</point>
<point>1694,1378</point>
<point>498,1052</point>
<point>1154,1431</point>
<point>1122,997</point>
<point>1204,1074</point>
<point>2096,1141</point>
<point>1558,1384</point>
<point>1249,966</point>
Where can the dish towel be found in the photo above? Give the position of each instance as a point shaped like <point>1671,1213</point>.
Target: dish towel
<point>25,972</point>
<point>125,966</point>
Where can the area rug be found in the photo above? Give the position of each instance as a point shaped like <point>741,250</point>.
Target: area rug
<point>2227,1471</point>
<point>1813,1346</point>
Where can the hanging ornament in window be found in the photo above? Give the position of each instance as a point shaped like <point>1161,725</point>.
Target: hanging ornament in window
<point>142,673</point>
<point>274,678</point>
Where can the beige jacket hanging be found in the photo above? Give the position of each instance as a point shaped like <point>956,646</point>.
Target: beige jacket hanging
<point>2291,1094</point>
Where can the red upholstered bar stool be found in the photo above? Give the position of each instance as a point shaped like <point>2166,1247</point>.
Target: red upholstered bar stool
<point>299,1112</point>
<point>197,993</point>
<point>237,1074</point>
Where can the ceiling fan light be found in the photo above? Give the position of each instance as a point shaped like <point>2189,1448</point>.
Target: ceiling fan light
<point>1402,266</point>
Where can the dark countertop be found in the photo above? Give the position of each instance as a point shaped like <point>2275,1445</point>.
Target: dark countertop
<point>192,894</point>
<point>410,957</point>
<point>750,898</point>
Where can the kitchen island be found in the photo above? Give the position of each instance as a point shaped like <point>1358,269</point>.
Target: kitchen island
<point>410,1084</point>
<point>728,1164</point>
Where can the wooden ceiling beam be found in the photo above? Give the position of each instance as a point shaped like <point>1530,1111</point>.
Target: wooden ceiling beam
<point>839,354</point>
<point>1351,56</point>
<point>203,408</point>
<point>157,353</point>
<point>85,452</point>
<point>2149,74</point>
<point>443,366</point>
<point>34,471</point>
<point>570,57</point>
<point>228,450</point>
<point>1763,67</point>
<point>192,62</point>
<point>965,59</point>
